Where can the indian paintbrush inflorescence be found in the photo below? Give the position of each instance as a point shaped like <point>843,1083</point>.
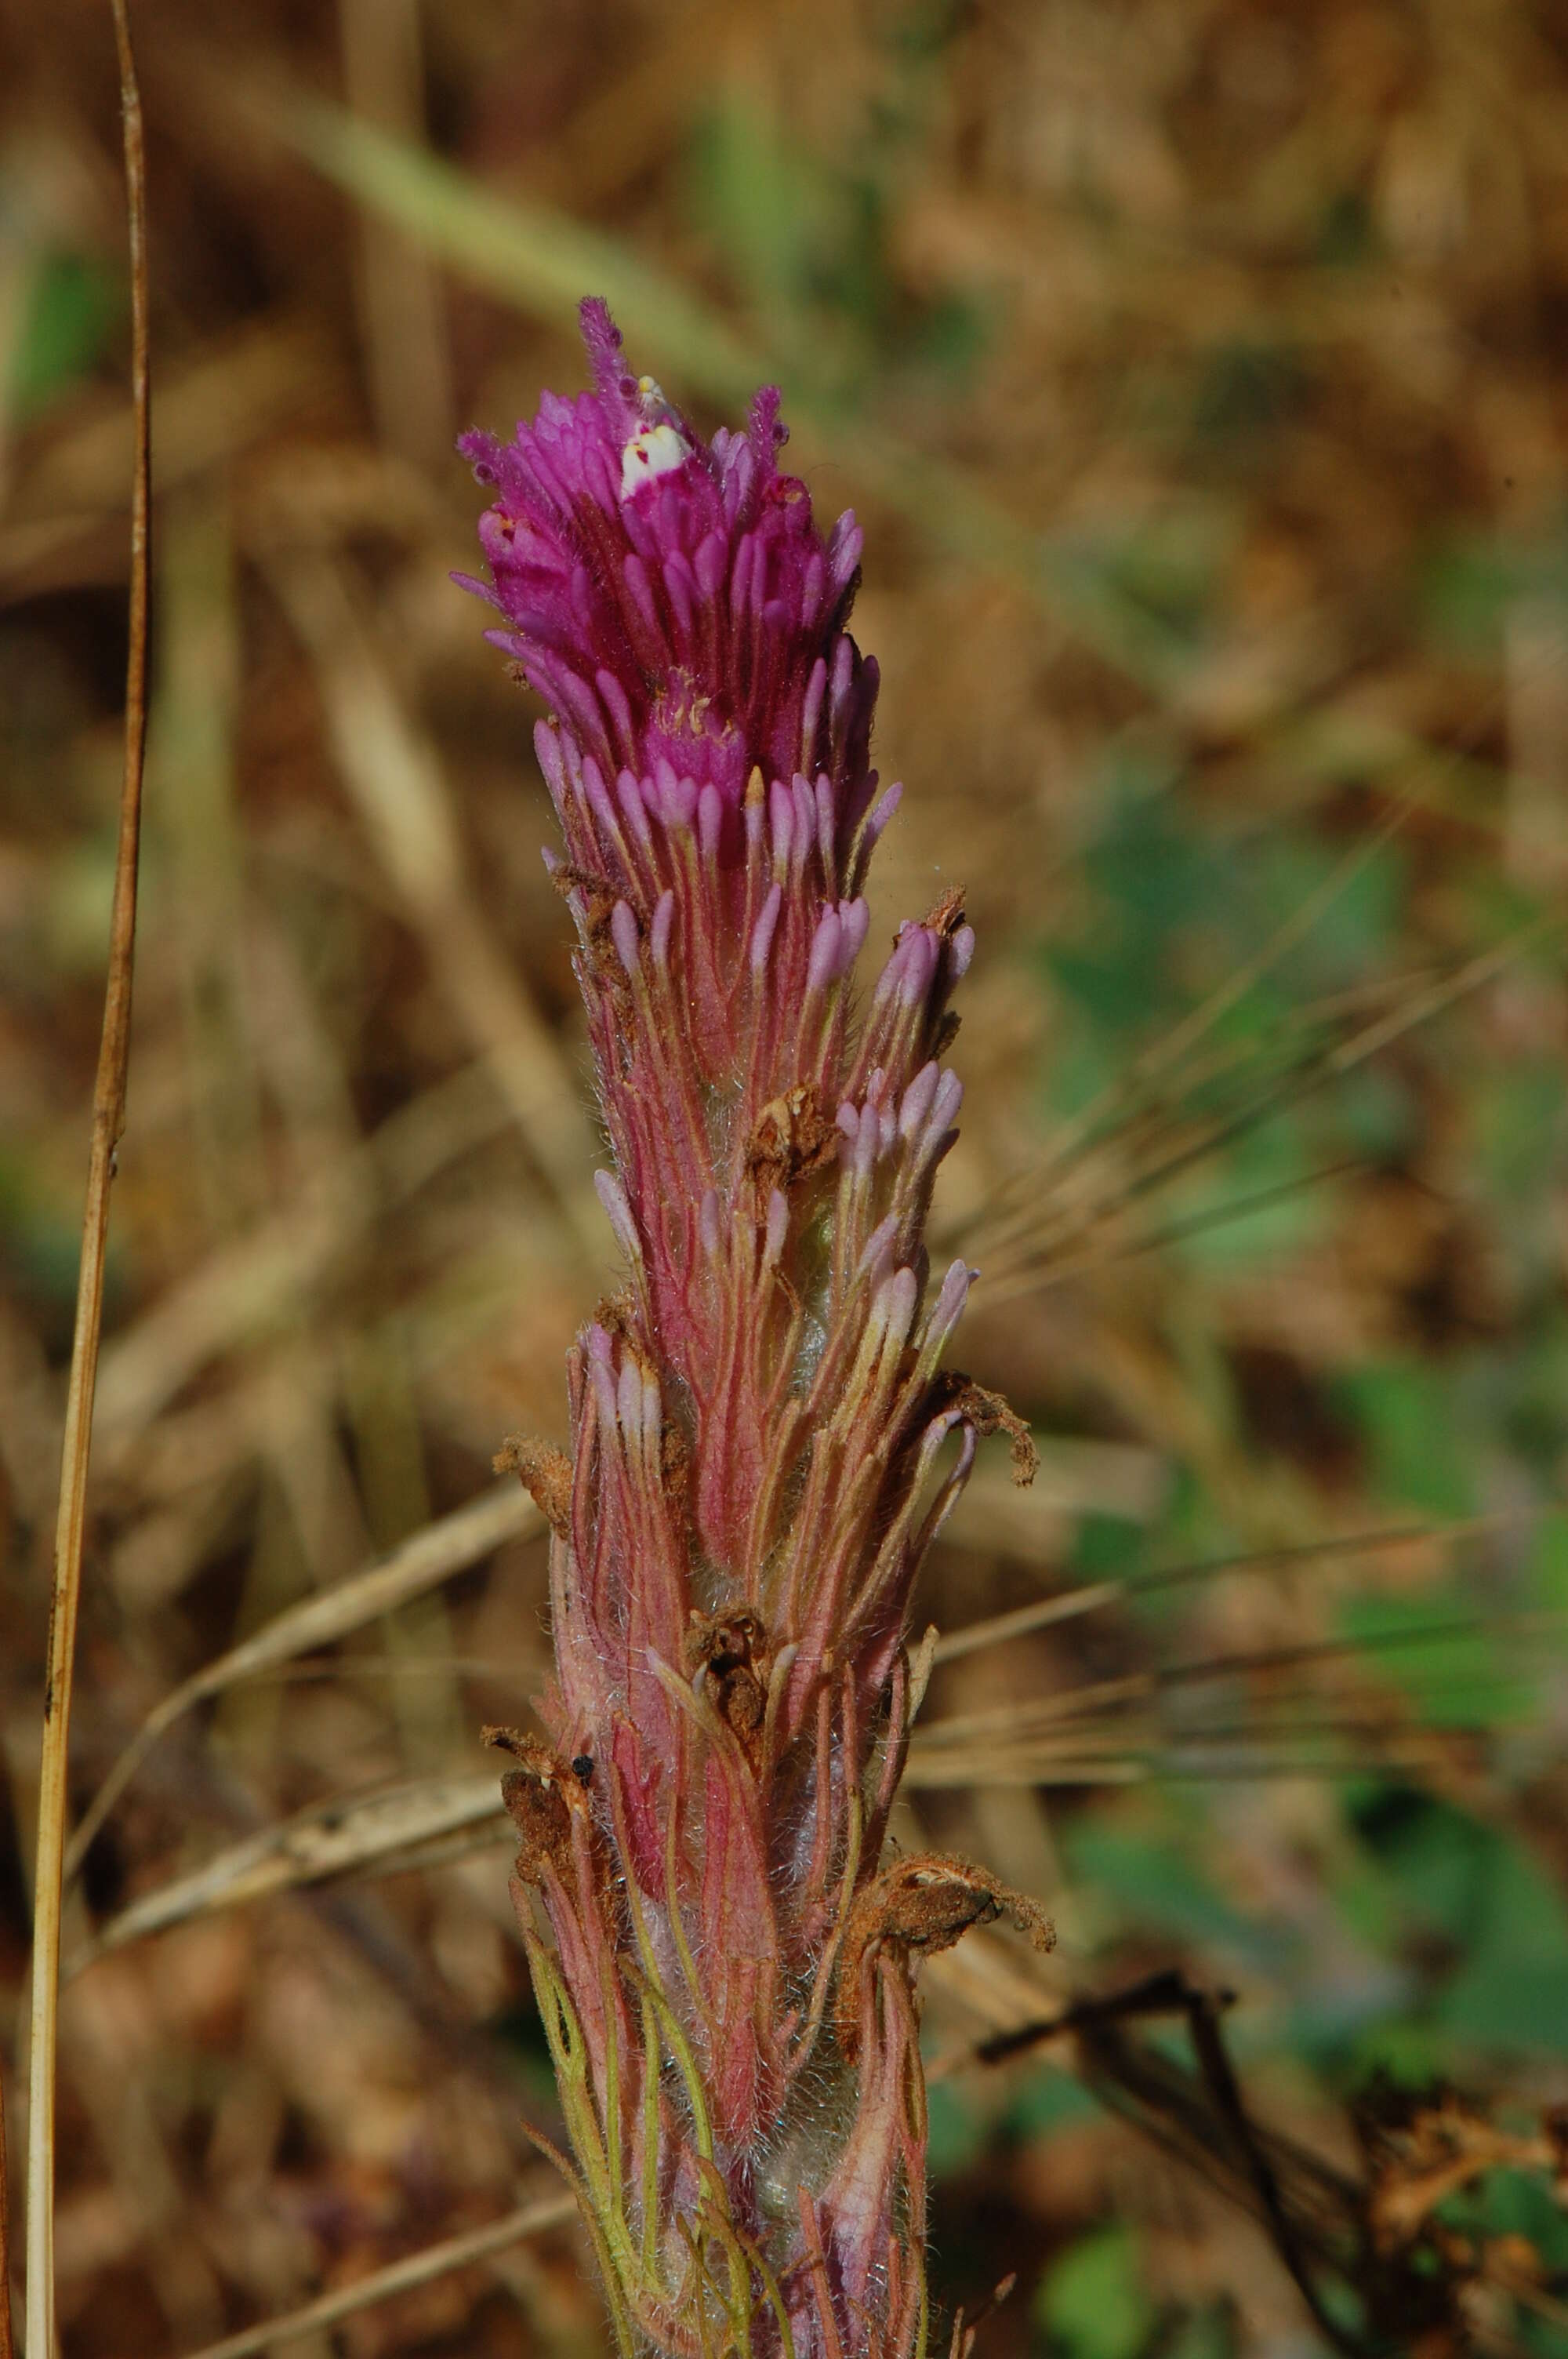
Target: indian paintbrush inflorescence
<point>758,1418</point>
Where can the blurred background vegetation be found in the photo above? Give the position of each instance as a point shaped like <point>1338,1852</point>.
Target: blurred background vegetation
<point>1198,368</point>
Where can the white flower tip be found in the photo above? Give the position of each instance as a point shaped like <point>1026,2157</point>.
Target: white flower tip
<point>623,933</point>
<point>660,449</point>
<point>618,1212</point>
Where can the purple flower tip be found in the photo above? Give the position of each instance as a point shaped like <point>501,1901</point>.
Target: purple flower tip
<point>671,596</point>
<point>602,339</point>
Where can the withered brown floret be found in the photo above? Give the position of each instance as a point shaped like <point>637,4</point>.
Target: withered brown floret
<point>989,1412</point>
<point>923,1904</point>
<point>730,1647</point>
<point>792,1137</point>
<point>535,1800</point>
<point>544,1473</point>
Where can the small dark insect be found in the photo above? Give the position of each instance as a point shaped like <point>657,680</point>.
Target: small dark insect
<point>582,1767</point>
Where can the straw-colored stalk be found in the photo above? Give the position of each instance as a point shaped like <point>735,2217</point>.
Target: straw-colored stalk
<point>108,1122</point>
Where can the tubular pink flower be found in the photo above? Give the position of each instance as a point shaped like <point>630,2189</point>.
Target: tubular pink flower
<point>756,1418</point>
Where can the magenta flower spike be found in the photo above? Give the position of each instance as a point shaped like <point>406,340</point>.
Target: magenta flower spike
<point>758,1417</point>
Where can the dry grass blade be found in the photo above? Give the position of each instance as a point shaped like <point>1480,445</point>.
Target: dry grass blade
<point>246,1290</point>
<point>396,783</point>
<point>431,1556</point>
<point>404,329</point>
<point>402,2276</point>
<point>1287,2186</point>
<point>1229,1756</point>
<point>532,255</point>
<point>386,1830</point>
<point>242,389</point>
<point>1309,1710</point>
<point>1015,1723</point>
<point>1320,2218</point>
<point>1216,1216</point>
<point>1062,1231</point>
<point>1166,1054</point>
<point>108,1122</point>
<point>427,1821</point>
<point>1001,1629</point>
<point>5,2235</point>
<point>1073,1478</point>
<point>1057,1239</point>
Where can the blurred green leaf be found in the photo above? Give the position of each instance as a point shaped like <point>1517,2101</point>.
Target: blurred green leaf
<point>790,228</point>
<point>1093,2302</point>
<point>1432,1855</point>
<point>1246,391</point>
<point>1504,1988</point>
<point>1511,1992</point>
<point>1378,1114</point>
<point>1356,926</point>
<point>1403,2048</point>
<point>1548,1570</point>
<point>41,1232</point>
<point>530,254</point>
<point>1519,1113</point>
<point>1347,234</point>
<point>1406,1410</point>
<point>955,2133</point>
<point>73,306</point>
<point>1470,585</point>
<point>1046,2099</point>
<point>1152,582</point>
<point>1262,1200</point>
<point>1208,2334</point>
<point>1107,1547</point>
<point>1533,1383</point>
<point>1152,1879</point>
<point>1147,876</point>
<point>1456,1679</point>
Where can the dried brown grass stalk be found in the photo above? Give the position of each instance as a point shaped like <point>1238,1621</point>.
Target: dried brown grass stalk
<point>425,1821</point>
<point>1063,1232</point>
<point>400,2277</point>
<point>397,787</point>
<point>108,1122</point>
<point>386,1832</point>
<point>425,1559</point>
<point>1330,2228</point>
<point>1065,1605</point>
<point>5,2234</point>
